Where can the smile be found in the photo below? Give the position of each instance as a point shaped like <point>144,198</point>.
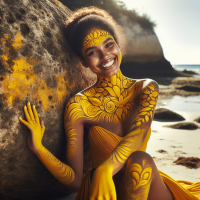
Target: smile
<point>108,64</point>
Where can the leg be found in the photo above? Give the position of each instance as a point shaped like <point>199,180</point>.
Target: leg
<point>141,180</point>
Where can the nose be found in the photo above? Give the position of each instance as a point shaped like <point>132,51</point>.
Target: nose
<point>104,55</point>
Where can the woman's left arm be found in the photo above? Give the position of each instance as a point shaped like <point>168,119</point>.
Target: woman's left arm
<point>131,142</point>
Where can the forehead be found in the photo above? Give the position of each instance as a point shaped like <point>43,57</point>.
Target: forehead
<point>95,37</point>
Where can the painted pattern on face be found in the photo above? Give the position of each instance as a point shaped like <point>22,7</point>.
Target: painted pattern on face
<point>110,101</point>
<point>95,37</point>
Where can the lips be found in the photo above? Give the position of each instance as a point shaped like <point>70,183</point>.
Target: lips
<point>108,64</point>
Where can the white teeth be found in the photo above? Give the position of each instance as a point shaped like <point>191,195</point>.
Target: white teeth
<point>108,64</point>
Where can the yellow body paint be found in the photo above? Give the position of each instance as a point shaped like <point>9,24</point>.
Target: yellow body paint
<point>139,127</point>
<point>59,170</point>
<point>110,101</point>
<point>136,181</point>
<point>95,37</point>
<point>140,175</point>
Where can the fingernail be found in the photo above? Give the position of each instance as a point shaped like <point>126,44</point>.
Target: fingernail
<point>28,103</point>
<point>25,107</point>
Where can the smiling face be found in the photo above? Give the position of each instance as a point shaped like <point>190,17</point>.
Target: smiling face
<point>101,53</point>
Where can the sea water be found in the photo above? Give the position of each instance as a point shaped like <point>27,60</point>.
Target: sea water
<point>194,68</point>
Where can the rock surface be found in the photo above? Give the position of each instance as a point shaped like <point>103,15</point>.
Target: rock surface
<point>164,114</point>
<point>197,120</point>
<point>189,162</point>
<point>189,72</point>
<point>184,125</point>
<point>171,86</point>
<point>189,88</point>
<point>144,57</point>
<point>36,65</point>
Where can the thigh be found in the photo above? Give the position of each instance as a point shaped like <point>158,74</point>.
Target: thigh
<point>158,189</point>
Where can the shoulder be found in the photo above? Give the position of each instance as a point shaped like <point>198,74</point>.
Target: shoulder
<point>73,108</point>
<point>145,84</point>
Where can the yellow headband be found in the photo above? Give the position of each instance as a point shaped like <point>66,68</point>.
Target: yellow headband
<point>95,37</point>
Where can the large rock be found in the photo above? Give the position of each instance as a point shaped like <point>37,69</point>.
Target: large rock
<point>163,114</point>
<point>36,65</point>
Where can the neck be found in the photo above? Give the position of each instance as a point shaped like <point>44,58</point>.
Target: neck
<point>116,79</point>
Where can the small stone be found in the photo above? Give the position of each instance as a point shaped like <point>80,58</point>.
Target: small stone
<point>184,125</point>
<point>162,151</point>
<point>197,120</point>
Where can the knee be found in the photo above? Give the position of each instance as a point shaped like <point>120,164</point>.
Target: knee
<point>141,158</point>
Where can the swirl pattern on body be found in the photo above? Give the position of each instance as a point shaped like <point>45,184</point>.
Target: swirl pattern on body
<point>111,101</point>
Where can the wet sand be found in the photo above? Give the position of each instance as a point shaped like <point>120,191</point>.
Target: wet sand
<point>176,142</point>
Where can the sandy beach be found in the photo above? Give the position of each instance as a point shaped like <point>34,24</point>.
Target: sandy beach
<point>167,144</point>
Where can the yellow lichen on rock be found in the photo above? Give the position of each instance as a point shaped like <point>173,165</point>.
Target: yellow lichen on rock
<point>23,82</point>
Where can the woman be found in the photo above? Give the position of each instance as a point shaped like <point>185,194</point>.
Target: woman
<point>118,112</point>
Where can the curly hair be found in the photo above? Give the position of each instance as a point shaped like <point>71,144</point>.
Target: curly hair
<point>83,19</point>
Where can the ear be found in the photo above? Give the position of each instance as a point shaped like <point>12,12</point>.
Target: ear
<point>83,62</point>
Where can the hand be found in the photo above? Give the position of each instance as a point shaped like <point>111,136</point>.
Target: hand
<point>102,187</point>
<point>34,139</point>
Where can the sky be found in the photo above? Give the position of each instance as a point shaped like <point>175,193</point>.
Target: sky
<point>177,27</point>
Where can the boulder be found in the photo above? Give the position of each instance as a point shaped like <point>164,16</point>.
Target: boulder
<point>197,119</point>
<point>184,125</point>
<point>189,88</point>
<point>36,65</point>
<point>189,72</point>
<point>163,114</point>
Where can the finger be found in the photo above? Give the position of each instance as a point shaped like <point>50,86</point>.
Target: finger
<point>27,115</point>
<point>25,122</point>
<point>107,197</point>
<point>30,112</point>
<point>43,127</point>
<point>42,123</point>
<point>36,115</point>
<point>113,196</point>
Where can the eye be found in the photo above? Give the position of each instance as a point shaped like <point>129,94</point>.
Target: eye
<point>109,44</point>
<point>91,53</point>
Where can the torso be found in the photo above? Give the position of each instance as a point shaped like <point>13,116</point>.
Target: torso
<point>111,106</point>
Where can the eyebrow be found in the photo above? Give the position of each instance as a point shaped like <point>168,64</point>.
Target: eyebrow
<point>94,47</point>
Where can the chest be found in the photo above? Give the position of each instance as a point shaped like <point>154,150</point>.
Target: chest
<point>112,112</point>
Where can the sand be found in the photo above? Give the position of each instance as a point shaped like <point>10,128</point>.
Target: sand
<point>176,142</point>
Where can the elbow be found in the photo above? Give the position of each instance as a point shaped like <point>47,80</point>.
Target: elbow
<point>74,186</point>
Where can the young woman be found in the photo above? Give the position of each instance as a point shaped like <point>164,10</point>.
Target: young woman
<point>118,111</point>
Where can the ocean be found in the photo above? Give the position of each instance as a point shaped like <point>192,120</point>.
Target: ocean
<point>194,68</point>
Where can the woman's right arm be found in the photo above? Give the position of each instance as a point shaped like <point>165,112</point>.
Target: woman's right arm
<point>69,175</point>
